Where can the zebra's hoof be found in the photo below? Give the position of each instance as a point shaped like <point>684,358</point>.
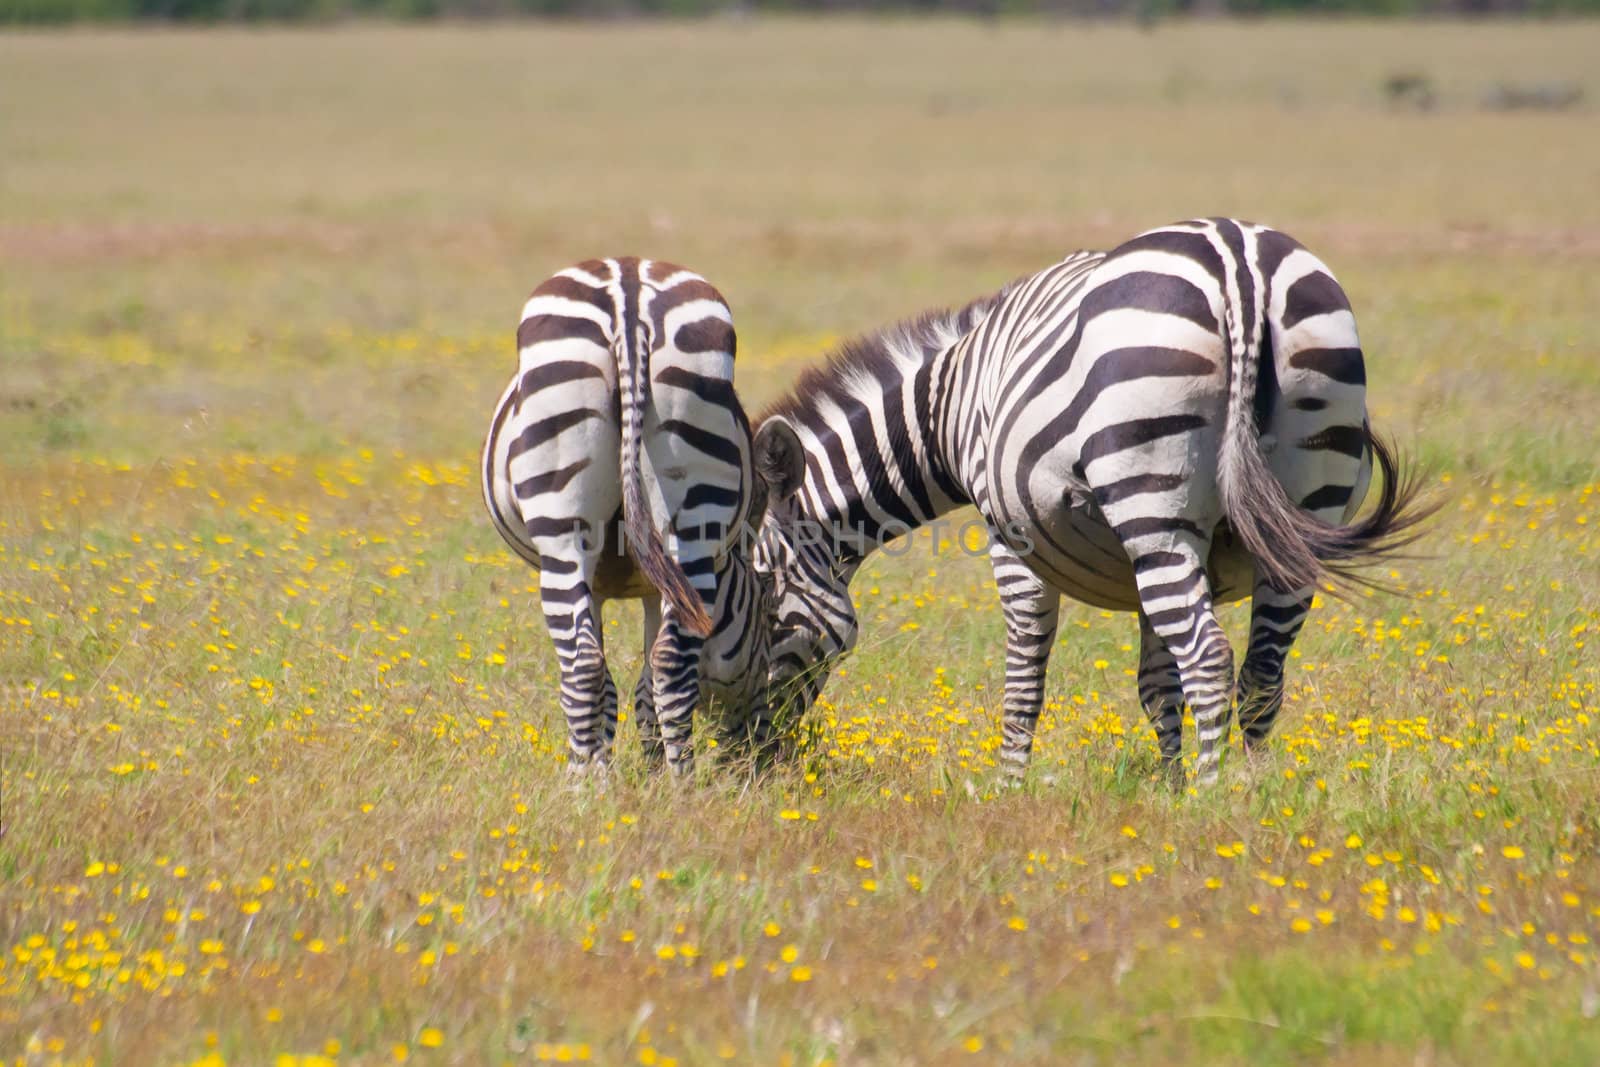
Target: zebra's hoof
<point>1175,776</point>
<point>1012,776</point>
<point>588,774</point>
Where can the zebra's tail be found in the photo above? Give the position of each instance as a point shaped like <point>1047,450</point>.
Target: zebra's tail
<point>664,572</point>
<point>1294,549</point>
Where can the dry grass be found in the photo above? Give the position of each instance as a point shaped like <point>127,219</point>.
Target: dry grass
<point>280,746</point>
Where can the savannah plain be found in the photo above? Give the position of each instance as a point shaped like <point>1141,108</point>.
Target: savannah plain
<point>281,752</point>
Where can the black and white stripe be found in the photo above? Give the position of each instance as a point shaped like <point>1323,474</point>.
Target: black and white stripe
<point>618,464</point>
<point>1177,422</point>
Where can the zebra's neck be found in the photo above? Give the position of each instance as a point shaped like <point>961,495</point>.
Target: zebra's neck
<point>872,421</point>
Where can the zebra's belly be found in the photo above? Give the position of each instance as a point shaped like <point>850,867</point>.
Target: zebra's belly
<point>617,577</point>
<point>613,574</point>
<point>1081,556</point>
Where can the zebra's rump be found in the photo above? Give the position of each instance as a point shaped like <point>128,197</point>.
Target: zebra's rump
<point>616,573</point>
<point>1081,556</point>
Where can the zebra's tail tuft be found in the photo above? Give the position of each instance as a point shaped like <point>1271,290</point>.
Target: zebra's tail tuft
<point>664,572</point>
<point>1293,549</point>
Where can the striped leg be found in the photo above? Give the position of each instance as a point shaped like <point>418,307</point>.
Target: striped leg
<point>1161,695</point>
<point>1032,611</point>
<point>588,695</point>
<point>644,695</point>
<point>767,746</point>
<point>675,672</point>
<point>1175,595</point>
<point>608,708</point>
<point>754,735</point>
<point>1275,621</point>
<point>750,600</point>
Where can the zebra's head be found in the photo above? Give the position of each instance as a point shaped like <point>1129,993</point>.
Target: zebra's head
<point>812,620</point>
<point>738,654</point>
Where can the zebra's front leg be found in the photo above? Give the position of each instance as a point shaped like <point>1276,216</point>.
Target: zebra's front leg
<point>588,695</point>
<point>675,672</point>
<point>644,696</point>
<point>608,713</point>
<point>1275,621</point>
<point>1032,611</point>
<point>1161,696</point>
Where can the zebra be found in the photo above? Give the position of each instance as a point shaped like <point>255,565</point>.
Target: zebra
<point>1170,425</point>
<point>618,464</point>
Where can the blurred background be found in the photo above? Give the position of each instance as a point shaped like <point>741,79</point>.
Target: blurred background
<point>284,238</point>
<point>66,10</point>
<point>260,651</point>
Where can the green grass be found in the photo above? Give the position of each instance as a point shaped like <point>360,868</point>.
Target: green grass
<point>281,753</point>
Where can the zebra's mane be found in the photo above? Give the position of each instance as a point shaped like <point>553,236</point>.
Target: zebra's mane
<point>868,362</point>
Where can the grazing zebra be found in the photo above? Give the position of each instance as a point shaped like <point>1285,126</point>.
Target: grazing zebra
<point>1177,422</point>
<point>618,463</point>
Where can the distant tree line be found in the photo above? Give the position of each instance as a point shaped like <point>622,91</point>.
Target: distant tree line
<point>57,11</point>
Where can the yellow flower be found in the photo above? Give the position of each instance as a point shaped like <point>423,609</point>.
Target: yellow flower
<point>430,1037</point>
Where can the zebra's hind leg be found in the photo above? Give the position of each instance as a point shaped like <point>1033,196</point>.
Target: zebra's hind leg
<point>1032,612</point>
<point>1275,621</point>
<point>675,672</point>
<point>1161,696</point>
<point>1175,596</point>
<point>644,695</point>
<point>588,695</point>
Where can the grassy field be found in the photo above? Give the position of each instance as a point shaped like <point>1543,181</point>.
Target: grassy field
<point>280,747</point>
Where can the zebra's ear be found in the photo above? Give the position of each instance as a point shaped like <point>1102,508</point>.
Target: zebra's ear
<point>780,460</point>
